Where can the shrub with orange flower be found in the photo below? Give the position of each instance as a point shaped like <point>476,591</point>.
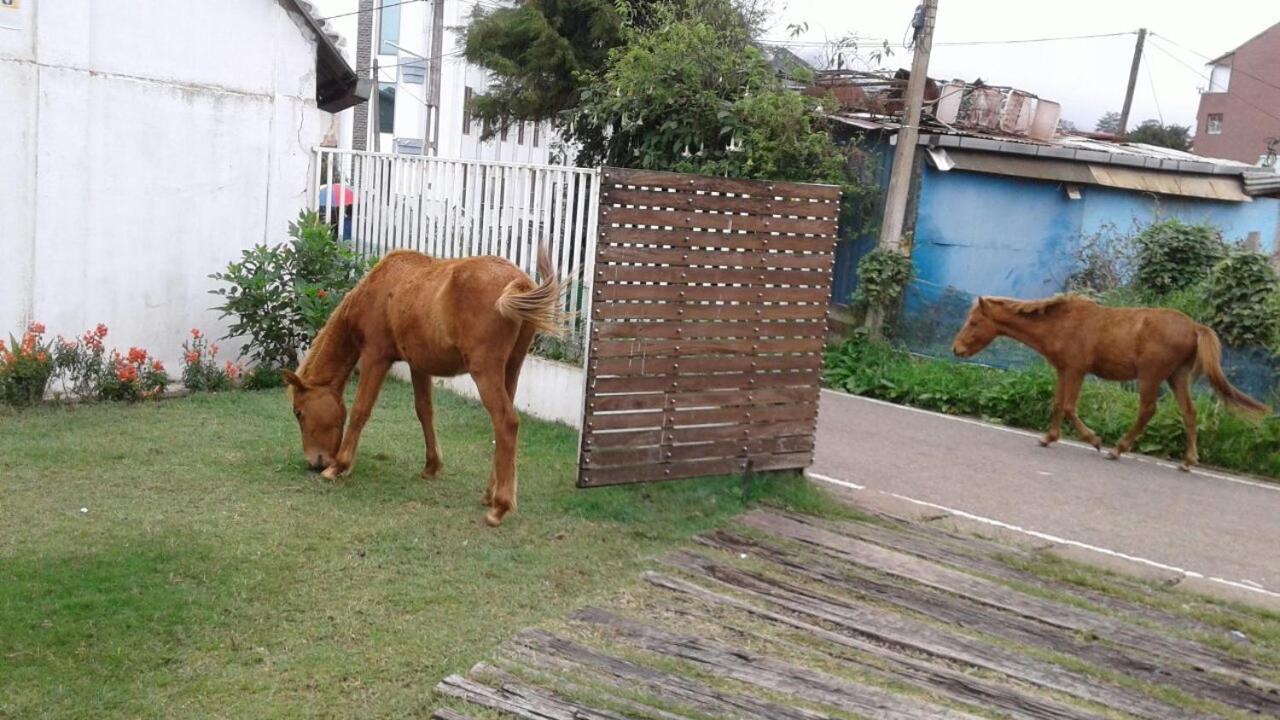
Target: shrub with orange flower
<point>81,364</point>
<point>25,367</point>
<point>134,376</point>
<point>200,371</point>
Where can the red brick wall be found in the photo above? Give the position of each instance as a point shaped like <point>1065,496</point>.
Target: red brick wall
<point>1245,128</point>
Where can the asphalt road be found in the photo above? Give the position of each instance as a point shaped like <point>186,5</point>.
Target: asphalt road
<point>1206,525</point>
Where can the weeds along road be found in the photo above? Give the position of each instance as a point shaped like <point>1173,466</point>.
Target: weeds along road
<point>1207,529</point>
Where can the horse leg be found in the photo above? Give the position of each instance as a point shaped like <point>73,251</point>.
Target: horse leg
<point>1055,419</point>
<point>426,415</point>
<point>1071,382</point>
<point>515,360</point>
<point>491,381</point>
<point>371,376</point>
<point>1148,394</point>
<point>1180,381</point>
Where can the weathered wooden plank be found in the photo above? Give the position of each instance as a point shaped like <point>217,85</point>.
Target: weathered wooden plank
<point>713,240</point>
<point>611,176</point>
<point>765,672</point>
<point>693,468</point>
<point>447,714</point>
<point>614,196</point>
<point>960,612</point>
<point>696,293</point>
<point>607,309</point>
<point>549,650</point>
<point>907,634</point>
<point>683,348</point>
<point>695,330</point>
<point>519,700</point>
<point>746,431</point>
<point>706,398</point>
<point>719,381</point>
<point>656,217</point>
<point>736,414</point>
<point>937,676</point>
<point>610,254</point>
<point>1003,598</point>
<point>762,368</point>
<point>685,275</point>
<point>606,457</point>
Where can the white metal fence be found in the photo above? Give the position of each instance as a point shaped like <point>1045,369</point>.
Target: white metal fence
<point>459,208</point>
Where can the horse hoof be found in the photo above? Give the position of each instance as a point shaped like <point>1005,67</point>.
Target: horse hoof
<point>1113,455</point>
<point>492,518</point>
<point>330,473</point>
<point>1185,467</point>
<point>431,471</point>
<point>1046,442</point>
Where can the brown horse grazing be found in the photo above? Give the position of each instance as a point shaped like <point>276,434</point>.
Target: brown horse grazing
<point>1080,337</point>
<point>443,317</point>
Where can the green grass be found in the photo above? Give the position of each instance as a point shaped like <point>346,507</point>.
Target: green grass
<point>1024,398</point>
<point>211,575</point>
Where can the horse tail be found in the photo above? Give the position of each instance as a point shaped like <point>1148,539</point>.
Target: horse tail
<point>1209,363</point>
<point>540,306</point>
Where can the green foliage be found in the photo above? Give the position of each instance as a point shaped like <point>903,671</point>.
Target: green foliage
<point>1173,255</point>
<point>1023,398</point>
<point>262,377</point>
<point>1241,297</point>
<point>200,371</point>
<point>1103,260</point>
<point>882,277</point>
<point>281,296</point>
<point>1153,132</point>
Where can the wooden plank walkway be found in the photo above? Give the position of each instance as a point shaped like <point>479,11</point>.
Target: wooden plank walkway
<point>800,618</point>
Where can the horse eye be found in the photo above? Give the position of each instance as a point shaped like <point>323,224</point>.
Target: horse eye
<point>297,414</point>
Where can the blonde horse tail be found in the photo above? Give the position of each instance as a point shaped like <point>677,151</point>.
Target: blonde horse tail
<point>1209,363</point>
<point>540,306</point>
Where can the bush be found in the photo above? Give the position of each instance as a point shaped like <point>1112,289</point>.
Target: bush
<point>25,367</point>
<point>281,296</point>
<point>1240,294</point>
<point>132,377</point>
<point>882,277</point>
<point>1173,255</point>
<point>200,371</point>
<point>81,364</point>
<point>1024,398</point>
<point>261,377</point>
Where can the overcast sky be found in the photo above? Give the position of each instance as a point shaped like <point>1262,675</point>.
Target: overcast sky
<point>1086,76</point>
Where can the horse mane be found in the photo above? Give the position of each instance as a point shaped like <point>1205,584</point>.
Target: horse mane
<point>323,337</point>
<point>1043,306</point>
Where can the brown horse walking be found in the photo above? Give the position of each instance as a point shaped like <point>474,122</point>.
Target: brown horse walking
<point>443,317</point>
<point>1080,337</point>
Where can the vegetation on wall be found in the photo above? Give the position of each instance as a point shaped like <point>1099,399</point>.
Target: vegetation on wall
<point>882,277</point>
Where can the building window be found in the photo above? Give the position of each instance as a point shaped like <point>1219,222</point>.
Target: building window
<point>387,107</point>
<point>1214,124</point>
<point>1219,78</point>
<point>520,133</point>
<point>536,128</point>
<point>466,111</point>
<point>389,30</point>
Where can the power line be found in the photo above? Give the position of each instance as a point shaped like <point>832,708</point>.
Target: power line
<point>1234,69</point>
<point>957,43</point>
<point>1202,76</point>
<point>1151,80</point>
<point>376,7</point>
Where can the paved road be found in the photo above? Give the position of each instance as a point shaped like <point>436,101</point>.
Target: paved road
<point>1221,527</point>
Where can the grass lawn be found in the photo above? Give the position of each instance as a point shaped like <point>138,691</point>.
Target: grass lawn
<point>176,559</point>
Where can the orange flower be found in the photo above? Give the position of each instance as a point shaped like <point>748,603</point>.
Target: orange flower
<point>37,328</point>
<point>126,373</point>
<point>195,333</point>
<point>213,350</point>
<point>42,356</point>
<point>233,371</point>
<point>193,357</point>
<point>137,355</point>
<point>322,294</point>
<point>100,331</point>
<point>157,366</point>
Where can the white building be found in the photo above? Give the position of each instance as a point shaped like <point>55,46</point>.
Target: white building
<point>145,145</point>
<point>424,83</point>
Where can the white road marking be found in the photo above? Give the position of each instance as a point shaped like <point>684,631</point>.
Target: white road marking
<point>1246,585</point>
<point>1274,487</point>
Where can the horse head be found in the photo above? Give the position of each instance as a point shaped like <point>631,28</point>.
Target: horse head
<point>321,415</point>
<point>978,331</point>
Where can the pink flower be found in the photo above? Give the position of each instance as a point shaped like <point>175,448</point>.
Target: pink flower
<point>213,350</point>
<point>37,328</point>
<point>195,333</point>
<point>100,331</point>
<point>157,366</point>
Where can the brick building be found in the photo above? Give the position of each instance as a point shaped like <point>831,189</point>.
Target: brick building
<point>1240,111</point>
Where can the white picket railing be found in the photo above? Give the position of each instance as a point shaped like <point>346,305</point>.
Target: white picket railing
<point>461,208</point>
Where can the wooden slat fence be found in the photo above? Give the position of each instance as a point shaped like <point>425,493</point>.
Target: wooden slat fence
<point>707,324</point>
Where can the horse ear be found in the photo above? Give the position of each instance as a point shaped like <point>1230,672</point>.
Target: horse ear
<point>983,304</point>
<point>292,378</point>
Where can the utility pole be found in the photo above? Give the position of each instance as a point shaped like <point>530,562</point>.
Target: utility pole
<point>1133,80</point>
<point>895,202</point>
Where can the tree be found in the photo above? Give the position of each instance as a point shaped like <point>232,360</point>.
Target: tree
<point>1108,123</point>
<point>1152,132</point>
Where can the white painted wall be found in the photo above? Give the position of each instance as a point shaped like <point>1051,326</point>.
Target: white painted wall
<point>548,390</point>
<point>146,144</point>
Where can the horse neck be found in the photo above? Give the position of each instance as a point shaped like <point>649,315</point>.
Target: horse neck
<point>1034,331</point>
<point>332,356</point>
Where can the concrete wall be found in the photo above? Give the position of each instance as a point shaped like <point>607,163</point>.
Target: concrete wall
<point>548,390</point>
<point>147,143</point>
<point>996,235</point>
